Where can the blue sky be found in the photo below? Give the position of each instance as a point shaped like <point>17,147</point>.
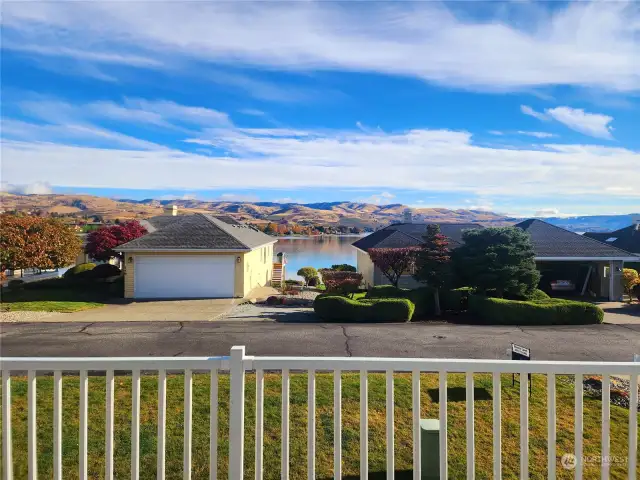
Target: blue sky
<point>517,107</point>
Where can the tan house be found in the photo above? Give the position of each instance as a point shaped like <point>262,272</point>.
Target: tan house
<point>196,256</point>
<point>569,263</point>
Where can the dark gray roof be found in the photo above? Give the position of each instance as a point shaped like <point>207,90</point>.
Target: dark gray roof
<point>627,238</point>
<point>156,223</point>
<point>410,234</point>
<point>552,241</point>
<point>198,232</point>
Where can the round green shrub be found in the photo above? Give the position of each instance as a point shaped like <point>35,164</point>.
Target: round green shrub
<point>79,269</point>
<point>344,267</point>
<point>104,270</point>
<point>538,295</point>
<point>307,273</point>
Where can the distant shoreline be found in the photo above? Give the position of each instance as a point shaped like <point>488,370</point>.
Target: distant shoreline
<point>291,237</point>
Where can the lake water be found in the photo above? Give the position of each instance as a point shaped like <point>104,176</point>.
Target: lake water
<point>320,252</point>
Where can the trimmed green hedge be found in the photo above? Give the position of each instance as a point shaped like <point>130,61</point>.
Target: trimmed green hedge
<point>534,312</point>
<point>455,300</point>
<point>343,309</point>
<point>79,269</point>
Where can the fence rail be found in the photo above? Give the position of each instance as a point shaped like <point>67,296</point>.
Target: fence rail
<point>238,363</point>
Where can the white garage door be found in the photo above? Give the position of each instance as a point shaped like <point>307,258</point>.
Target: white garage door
<point>184,276</point>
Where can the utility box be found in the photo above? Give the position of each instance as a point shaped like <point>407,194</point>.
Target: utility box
<point>430,448</point>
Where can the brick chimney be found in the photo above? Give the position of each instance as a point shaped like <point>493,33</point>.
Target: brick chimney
<point>171,210</point>
<point>408,215</point>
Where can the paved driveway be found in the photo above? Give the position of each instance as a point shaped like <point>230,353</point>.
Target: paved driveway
<point>621,313</point>
<point>157,310</point>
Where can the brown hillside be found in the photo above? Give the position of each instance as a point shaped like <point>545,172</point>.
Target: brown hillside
<point>330,213</point>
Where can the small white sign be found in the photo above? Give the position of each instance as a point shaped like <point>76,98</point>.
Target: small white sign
<point>520,350</point>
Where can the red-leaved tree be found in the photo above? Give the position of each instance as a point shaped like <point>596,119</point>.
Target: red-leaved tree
<point>102,243</point>
<point>342,283</point>
<point>394,262</point>
<point>433,263</point>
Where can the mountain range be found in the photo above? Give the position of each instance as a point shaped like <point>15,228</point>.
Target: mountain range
<point>351,214</point>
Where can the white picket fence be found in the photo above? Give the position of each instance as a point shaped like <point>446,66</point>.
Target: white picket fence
<point>238,363</point>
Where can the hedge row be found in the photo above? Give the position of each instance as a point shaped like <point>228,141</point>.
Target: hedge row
<point>534,312</point>
<point>343,309</point>
<point>454,300</point>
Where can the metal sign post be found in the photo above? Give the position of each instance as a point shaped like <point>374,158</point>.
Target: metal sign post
<point>518,352</point>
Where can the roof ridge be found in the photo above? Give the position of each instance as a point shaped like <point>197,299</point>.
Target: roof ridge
<point>582,236</point>
<point>222,226</point>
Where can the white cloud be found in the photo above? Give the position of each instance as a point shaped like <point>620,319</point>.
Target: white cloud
<point>35,188</point>
<point>537,134</point>
<point>378,198</point>
<point>588,44</point>
<point>235,197</point>
<point>68,153</point>
<point>132,110</point>
<point>592,124</point>
<point>496,132</point>
<point>547,212</point>
<point>531,112</point>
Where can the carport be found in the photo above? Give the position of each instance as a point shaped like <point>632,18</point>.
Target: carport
<point>592,267</point>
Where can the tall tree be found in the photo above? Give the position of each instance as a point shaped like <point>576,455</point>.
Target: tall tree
<point>393,262</point>
<point>433,263</point>
<point>499,259</point>
<point>101,243</point>
<point>36,242</point>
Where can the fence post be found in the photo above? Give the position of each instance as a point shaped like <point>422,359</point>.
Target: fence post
<point>236,417</point>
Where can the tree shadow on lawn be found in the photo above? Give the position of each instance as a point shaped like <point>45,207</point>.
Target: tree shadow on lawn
<point>398,474</point>
<point>459,394</point>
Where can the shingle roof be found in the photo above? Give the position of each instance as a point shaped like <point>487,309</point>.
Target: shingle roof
<point>552,241</point>
<point>627,238</point>
<point>156,223</point>
<point>198,232</point>
<point>410,234</point>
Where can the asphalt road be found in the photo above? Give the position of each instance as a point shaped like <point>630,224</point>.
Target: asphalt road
<point>594,342</point>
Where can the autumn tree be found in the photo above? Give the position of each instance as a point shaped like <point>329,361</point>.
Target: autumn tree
<point>341,283</point>
<point>393,262</point>
<point>101,243</point>
<point>36,242</point>
<point>630,279</point>
<point>433,263</point>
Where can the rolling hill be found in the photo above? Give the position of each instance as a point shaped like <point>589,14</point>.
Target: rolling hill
<point>350,214</point>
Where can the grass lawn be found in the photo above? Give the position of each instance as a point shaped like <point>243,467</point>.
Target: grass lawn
<point>298,435</point>
<point>58,299</point>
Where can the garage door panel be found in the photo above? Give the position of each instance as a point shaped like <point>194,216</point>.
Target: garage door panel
<point>186,276</point>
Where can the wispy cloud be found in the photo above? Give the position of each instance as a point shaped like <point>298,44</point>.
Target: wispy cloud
<point>527,110</point>
<point>537,134</point>
<point>592,124</point>
<point>423,40</point>
<point>70,146</point>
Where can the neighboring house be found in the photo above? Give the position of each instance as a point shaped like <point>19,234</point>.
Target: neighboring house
<point>627,238</point>
<point>197,256</point>
<point>569,262</point>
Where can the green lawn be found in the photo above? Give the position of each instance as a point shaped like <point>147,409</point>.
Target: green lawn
<point>298,415</point>
<point>53,299</point>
